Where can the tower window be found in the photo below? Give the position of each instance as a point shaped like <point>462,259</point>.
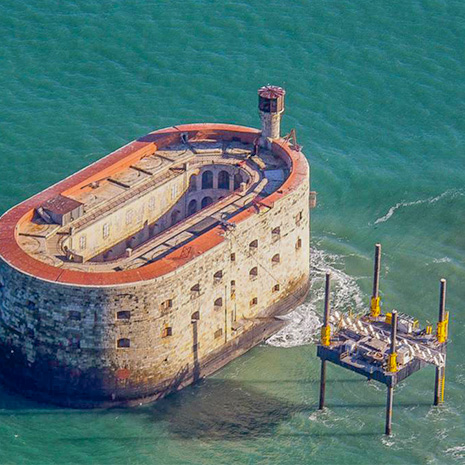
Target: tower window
<point>233,257</point>
<point>276,288</point>
<point>298,244</point>
<point>218,303</point>
<point>298,218</point>
<point>218,276</point>
<point>254,302</point>
<point>276,259</point>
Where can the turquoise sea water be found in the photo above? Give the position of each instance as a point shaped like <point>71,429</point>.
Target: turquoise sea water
<point>376,93</point>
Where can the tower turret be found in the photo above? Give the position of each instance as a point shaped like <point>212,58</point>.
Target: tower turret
<point>271,108</point>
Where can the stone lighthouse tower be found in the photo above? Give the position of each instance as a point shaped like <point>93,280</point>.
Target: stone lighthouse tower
<point>271,108</point>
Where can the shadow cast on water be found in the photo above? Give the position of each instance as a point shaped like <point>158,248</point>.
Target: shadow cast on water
<point>213,409</point>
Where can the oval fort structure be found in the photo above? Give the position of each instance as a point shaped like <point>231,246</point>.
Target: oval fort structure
<point>157,264</point>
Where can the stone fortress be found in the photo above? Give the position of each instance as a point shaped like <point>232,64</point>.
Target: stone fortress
<point>157,264</point>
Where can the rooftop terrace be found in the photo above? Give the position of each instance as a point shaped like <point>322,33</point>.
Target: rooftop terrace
<point>145,192</point>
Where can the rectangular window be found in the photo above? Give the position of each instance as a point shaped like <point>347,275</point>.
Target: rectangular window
<point>74,315</point>
<point>166,305</point>
<point>298,218</point>
<point>106,230</point>
<point>254,302</point>
<point>233,257</point>
<point>174,192</point>
<point>167,331</point>
<point>298,244</point>
<point>129,217</point>
<point>123,315</point>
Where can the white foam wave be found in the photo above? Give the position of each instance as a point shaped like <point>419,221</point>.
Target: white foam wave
<point>430,200</point>
<point>457,452</point>
<point>304,322</point>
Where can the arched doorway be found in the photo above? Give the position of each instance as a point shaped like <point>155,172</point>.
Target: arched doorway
<point>206,201</point>
<point>238,179</point>
<point>223,180</point>
<point>207,180</point>
<point>192,207</point>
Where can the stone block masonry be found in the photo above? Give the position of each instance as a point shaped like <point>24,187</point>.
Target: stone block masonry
<point>79,336</point>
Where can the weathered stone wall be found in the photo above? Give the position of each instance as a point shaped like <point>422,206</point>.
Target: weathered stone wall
<point>63,340</point>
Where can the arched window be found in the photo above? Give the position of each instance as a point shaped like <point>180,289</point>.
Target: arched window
<point>192,207</point>
<point>175,217</point>
<point>276,259</point>
<point>218,303</point>
<point>207,180</point>
<point>123,342</point>
<point>253,273</point>
<point>223,180</point>
<point>206,201</point>
<point>237,180</point>
<point>193,183</point>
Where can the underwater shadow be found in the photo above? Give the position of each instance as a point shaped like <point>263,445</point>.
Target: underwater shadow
<point>217,409</point>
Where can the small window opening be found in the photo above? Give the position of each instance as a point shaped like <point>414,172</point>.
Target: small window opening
<point>254,302</point>
<point>123,343</point>
<point>123,315</point>
<point>218,303</point>
<point>298,218</point>
<point>74,315</point>
<point>195,290</point>
<point>298,244</point>
<point>276,288</point>
<point>167,331</point>
<point>167,304</point>
<point>106,230</point>
<point>233,257</point>
<point>195,316</point>
<point>253,245</point>
<point>276,259</point>
<point>218,276</point>
<point>276,234</point>
<point>218,333</point>
<point>253,273</point>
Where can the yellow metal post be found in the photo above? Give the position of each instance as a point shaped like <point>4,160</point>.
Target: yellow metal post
<point>375,309</point>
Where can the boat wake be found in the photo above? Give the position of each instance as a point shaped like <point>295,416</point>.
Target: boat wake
<point>304,321</point>
<point>452,193</point>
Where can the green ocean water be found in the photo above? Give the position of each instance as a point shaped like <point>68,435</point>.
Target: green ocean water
<point>375,90</point>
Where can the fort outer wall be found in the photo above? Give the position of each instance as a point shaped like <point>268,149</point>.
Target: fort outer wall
<point>59,341</point>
